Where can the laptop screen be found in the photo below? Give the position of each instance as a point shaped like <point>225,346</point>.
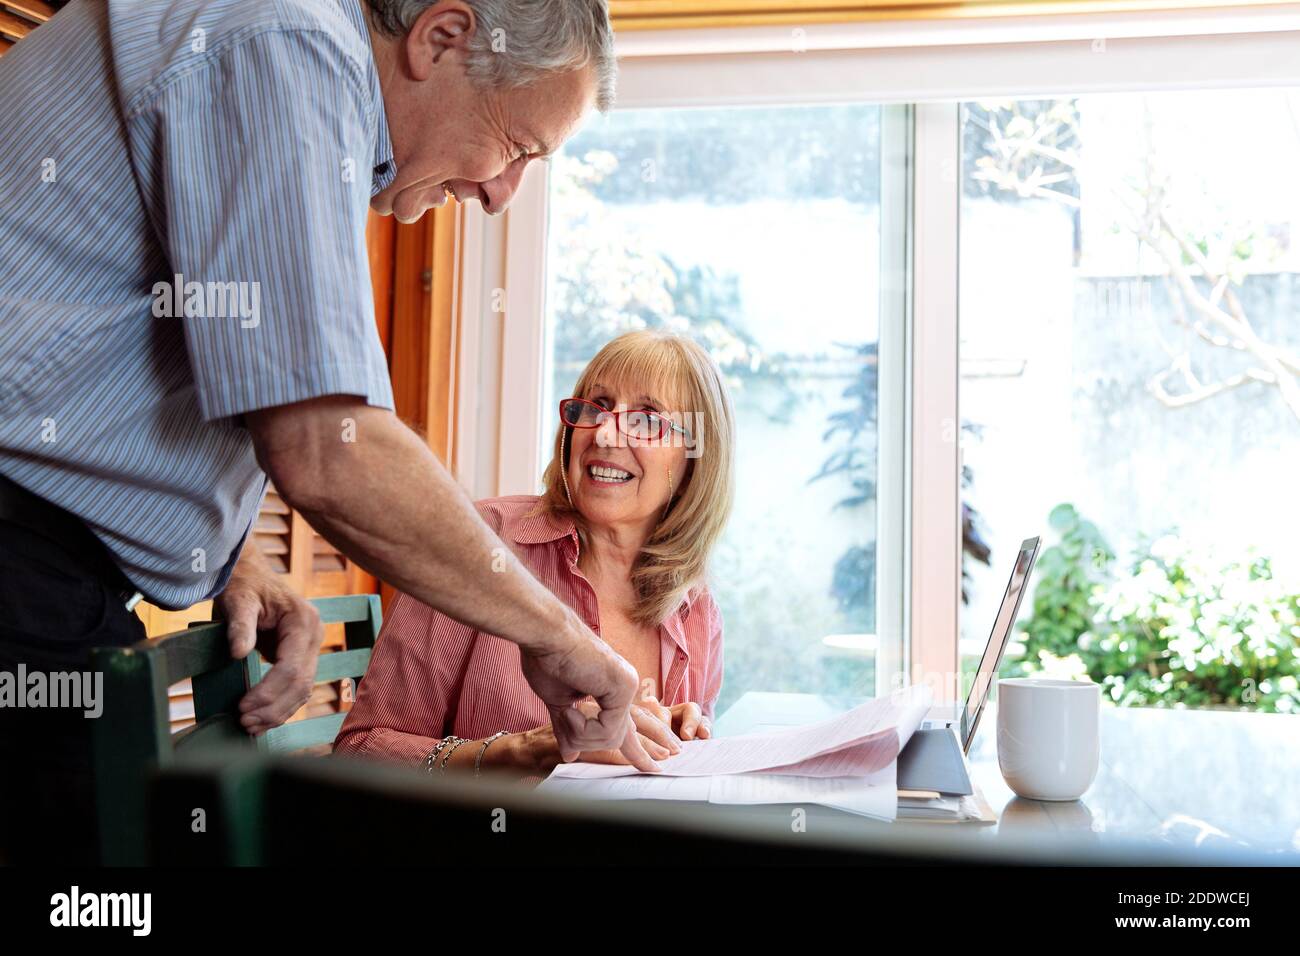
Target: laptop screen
<point>997,644</point>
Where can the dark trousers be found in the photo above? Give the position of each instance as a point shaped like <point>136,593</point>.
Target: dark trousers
<point>56,603</point>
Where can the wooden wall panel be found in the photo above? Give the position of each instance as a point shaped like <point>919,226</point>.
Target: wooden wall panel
<point>445,245</point>
<point>381,238</point>
<point>421,359</point>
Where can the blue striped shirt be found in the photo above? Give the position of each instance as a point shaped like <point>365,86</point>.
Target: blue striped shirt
<point>184,187</point>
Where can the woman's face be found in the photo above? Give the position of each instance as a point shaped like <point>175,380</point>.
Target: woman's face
<point>617,480</point>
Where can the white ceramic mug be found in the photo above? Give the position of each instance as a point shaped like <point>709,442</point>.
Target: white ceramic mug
<point>1049,736</point>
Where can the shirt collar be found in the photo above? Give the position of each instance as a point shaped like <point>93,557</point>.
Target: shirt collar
<point>541,526</point>
<point>384,166</point>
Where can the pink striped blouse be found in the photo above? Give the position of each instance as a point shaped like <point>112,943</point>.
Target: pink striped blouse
<point>431,676</point>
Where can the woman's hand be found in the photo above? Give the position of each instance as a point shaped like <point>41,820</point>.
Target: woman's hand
<point>534,752</point>
<point>689,723</point>
<point>654,722</point>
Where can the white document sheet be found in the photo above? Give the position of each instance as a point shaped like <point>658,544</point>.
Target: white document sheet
<point>875,795</point>
<point>856,743</point>
<point>649,786</point>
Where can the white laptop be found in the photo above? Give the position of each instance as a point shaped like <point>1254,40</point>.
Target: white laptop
<point>934,759</point>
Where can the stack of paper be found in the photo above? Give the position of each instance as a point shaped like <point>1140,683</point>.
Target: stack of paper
<point>930,807</point>
<point>937,808</point>
<point>847,762</point>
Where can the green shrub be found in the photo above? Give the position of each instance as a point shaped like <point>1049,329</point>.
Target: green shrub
<point>1175,627</point>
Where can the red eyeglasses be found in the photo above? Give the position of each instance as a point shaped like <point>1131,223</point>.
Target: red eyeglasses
<point>639,423</point>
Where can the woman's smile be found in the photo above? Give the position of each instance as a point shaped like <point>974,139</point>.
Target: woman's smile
<point>607,475</point>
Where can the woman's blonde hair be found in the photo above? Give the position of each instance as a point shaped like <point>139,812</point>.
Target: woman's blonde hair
<point>674,558</point>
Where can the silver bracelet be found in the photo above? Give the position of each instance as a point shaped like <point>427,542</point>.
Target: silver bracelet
<point>432,759</point>
<point>478,761</point>
<point>455,742</point>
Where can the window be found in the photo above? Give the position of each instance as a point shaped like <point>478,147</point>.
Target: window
<point>1130,387</point>
<point>758,232</point>
<point>976,314</point>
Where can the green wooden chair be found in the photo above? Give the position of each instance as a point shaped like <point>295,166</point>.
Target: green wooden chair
<point>132,737</point>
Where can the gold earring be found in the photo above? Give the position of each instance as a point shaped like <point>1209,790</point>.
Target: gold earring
<point>564,468</point>
<point>669,502</point>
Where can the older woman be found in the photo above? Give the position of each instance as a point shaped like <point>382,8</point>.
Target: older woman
<point>636,496</point>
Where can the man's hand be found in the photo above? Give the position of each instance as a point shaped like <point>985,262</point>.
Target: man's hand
<point>536,753</point>
<point>582,666</point>
<point>257,600</point>
<point>653,732</point>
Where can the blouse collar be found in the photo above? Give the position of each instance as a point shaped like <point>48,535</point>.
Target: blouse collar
<point>540,526</point>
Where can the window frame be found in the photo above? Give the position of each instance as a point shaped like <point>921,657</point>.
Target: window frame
<point>525,354</point>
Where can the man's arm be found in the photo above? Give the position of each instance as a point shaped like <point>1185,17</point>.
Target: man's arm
<point>373,489</point>
<point>248,154</point>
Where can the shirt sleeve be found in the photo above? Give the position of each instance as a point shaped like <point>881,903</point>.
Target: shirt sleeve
<point>408,698</point>
<point>265,159</point>
<point>713,671</point>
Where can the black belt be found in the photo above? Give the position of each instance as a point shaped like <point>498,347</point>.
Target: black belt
<point>86,553</point>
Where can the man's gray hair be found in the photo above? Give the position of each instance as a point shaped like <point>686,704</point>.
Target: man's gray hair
<point>519,41</point>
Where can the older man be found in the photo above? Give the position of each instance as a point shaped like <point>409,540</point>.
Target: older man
<point>185,311</point>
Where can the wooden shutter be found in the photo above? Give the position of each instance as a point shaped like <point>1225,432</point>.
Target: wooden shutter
<point>19,18</point>
<point>313,566</point>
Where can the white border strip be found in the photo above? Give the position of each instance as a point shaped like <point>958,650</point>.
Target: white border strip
<point>919,75</point>
<point>523,336</point>
<point>936,433</point>
<point>469,349</point>
<point>893,450</point>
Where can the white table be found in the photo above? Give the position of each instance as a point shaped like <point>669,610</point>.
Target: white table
<point>1212,782</point>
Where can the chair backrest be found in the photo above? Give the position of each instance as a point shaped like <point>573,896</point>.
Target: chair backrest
<point>361,616</point>
<point>133,735</point>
